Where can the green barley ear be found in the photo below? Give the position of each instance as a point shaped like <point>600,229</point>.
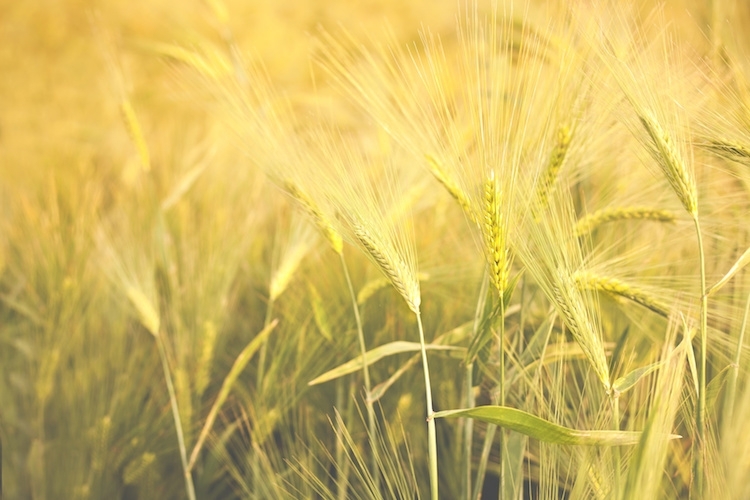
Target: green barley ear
<point>672,163</point>
<point>391,265</point>
<point>589,222</point>
<point>589,281</point>
<point>495,235</point>
<point>556,160</point>
<point>437,170</point>
<point>319,218</point>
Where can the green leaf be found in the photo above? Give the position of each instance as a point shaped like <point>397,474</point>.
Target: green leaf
<point>239,365</point>
<point>377,354</point>
<point>737,267</point>
<point>714,387</point>
<point>543,430</point>
<point>622,384</point>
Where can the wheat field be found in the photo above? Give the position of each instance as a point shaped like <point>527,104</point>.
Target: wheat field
<point>330,250</point>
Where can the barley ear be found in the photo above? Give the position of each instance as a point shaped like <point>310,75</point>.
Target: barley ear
<point>495,235</point>
<point>570,304</point>
<point>439,173</point>
<point>591,221</point>
<point>392,265</point>
<point>319,219</point>
<point>590,281</point>
<point>671,163</point>
<point>556,160</point>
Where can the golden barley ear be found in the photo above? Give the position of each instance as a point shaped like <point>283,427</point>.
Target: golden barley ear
<point>589,281</point>
<point>589,222</point>
<point>495,235</point>
<point>392,265</point>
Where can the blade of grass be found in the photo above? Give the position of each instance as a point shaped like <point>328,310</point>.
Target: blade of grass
<point>239,365</point>
<point>544,430</point>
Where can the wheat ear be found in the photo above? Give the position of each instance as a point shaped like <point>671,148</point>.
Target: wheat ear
<point>591,221</point>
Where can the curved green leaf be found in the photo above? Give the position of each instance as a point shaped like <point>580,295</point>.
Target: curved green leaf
<point>543,430</point>
<point>377,354</point>
<point>624,383</point>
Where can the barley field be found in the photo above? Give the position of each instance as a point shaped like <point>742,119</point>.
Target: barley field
<point>382,249</point>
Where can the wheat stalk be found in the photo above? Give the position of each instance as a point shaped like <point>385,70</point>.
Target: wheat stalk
<point>591,221</point>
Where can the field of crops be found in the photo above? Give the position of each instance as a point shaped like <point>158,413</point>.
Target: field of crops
<point>285,249</point>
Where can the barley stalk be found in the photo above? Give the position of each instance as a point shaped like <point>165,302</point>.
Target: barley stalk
<point>589,281</point>
<point>591,221</point>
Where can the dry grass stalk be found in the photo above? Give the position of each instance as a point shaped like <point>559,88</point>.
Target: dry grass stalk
<point>392,265</point>
<point>591,221</point>
<point>590,281</point>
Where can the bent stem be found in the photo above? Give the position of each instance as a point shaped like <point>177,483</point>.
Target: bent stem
<point>431,434</point>
<point>701,416</point>
<point>365,371</point>
<point>176,416</point>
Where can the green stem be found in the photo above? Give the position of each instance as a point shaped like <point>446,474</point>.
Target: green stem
<point>431,433</point>
<point>177,422</point>
<point>501,492</point>
<point>701,416</point>
<point>365,373</point>
<point>469,388</point>
<point>615,400</point>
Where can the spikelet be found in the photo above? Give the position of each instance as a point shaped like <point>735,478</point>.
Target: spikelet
<point>591,221</point>
<point>299,244</point>
<point>589,281</point>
